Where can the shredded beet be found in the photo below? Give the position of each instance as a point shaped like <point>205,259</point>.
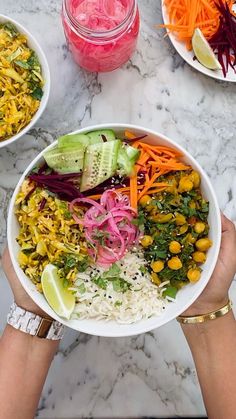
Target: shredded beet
<point>30,193</point>
<point>65,186</point>
<point>42,204</point>
<point>223,42</point>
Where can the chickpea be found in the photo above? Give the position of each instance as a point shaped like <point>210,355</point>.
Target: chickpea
<point>190,238</point>
<point>162,218</point>
<point>146,241</point>
<point>199,227</point>
<point>192,205</point>
<point>203,244</point>
<point>180,219</point>
<point>145,200</point>
<point>185,184</point>
<point>193,275</point>
<point>199,257</point>
<point>154,211</point>
<point>195,178</point>
<point>175,247</point>
<point>172,188</point>
<point>183,229</point>
<point>155,279</point>
<point>157,266</point>
<point>175,263</point>
<point>149,207</point>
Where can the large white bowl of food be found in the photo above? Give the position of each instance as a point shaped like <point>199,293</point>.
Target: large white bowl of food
<point>114,230</point>
<point>24,81</point>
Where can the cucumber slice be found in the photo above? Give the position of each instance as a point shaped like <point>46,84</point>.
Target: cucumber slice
<point>72,140</point>
<point>100,163</point>
<point>66,160</point>
<point>96,136</point>
<point>127,158</point>
<point>132,153</point>
<point>125,166</point>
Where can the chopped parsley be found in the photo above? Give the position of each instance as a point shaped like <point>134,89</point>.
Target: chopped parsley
<point>112,276</point>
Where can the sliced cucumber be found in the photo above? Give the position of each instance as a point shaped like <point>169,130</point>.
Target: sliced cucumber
<point>66,160</point>
<point>100,163</point>
<point>97,136</point>
<point>132,153</point>
<point>125,166</point>
<point>127,158</point>
<point>72,140</point>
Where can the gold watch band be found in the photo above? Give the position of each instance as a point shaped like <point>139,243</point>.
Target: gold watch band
<point>201,318</point>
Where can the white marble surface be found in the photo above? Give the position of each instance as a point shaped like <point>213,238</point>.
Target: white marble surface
<point>152,374</point>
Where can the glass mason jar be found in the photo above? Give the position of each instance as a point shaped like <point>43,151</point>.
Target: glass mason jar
<point>101,34</point>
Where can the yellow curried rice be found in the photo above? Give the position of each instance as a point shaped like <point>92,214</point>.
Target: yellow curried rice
<point>21,81</point>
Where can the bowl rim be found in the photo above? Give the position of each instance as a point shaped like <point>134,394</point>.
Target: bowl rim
<point>47,78</point>
<point>145,327</point>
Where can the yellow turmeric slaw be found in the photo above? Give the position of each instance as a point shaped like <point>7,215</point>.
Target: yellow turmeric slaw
<point>21,81</point>
<point>48,234</point>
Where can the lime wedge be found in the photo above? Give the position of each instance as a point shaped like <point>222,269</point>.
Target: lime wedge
<point>59,298</point>
<point>204,52</point>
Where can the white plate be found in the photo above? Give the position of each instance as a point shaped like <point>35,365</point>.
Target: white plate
<point>188,56</point>
<point>185,296</point>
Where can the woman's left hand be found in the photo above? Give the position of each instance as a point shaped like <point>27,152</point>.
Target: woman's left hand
<point>21,297</point>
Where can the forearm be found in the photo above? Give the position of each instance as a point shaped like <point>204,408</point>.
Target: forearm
<point>213,346</point>
<point>24,364</point>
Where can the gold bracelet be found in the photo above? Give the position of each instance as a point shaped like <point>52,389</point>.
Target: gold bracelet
<point>201,318</point>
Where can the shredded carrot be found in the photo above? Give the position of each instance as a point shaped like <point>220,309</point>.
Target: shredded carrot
<point>154,161</point>
<point>149,185</point>
<point>186,15</point>
<point>129,135</point>
<point>134,191</point>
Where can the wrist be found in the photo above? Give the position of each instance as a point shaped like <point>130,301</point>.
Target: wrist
<point>32,308</point>
<point>204,307</point>
<point>212,329</point>
<point>34,324</point>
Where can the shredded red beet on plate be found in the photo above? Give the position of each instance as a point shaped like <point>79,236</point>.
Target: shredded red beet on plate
<point>223,42</point>
<point>63,185</point>
<point>66,186</point>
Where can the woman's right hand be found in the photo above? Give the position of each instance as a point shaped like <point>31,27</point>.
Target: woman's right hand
<point>215,295</point>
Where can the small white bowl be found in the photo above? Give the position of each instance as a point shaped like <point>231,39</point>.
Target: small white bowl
<point>33,44</point>
<point>185,296</point>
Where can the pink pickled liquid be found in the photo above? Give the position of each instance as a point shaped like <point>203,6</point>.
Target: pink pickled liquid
<point>100,15</point>
<point>103,53</point>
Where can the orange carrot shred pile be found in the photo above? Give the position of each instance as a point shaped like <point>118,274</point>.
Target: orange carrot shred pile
<point>187,15</point>
<point>154,161</point>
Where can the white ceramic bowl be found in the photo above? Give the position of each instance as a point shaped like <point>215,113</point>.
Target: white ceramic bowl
<point>185,296</point>
<point>33,44</point>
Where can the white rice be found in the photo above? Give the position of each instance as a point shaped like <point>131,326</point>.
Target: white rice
<point>143,300</point>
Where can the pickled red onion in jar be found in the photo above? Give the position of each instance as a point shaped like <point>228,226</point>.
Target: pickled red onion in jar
<point>101,34</point>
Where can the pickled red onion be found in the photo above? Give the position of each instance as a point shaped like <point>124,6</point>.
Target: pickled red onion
<point>108,226</point>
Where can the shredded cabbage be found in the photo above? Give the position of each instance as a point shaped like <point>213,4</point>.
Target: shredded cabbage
<point>21,81</point>
<point>48,233</point>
